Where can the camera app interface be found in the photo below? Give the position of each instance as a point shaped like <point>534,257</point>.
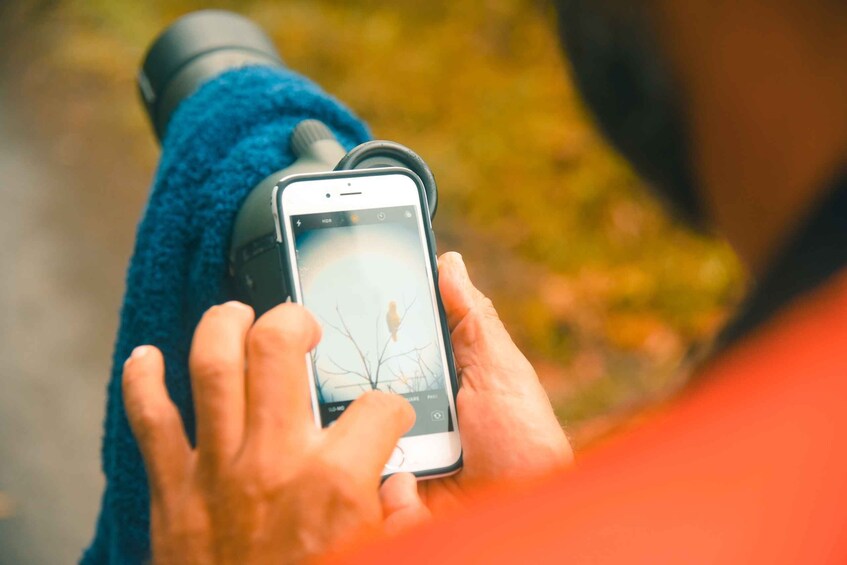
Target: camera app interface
<point>363,274</point>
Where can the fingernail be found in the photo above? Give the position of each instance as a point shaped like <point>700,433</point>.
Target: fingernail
<point>465,284</point>
<point>237,304</point>
<point>137,353</point>
<point>461,263</point>
<point>458,262</point>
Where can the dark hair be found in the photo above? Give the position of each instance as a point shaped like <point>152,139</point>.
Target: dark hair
<point>626,83</point>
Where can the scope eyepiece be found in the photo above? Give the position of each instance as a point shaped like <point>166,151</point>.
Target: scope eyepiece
<point>194,49</point>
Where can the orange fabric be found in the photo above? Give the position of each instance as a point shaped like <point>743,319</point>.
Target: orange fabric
<point>749,467</point>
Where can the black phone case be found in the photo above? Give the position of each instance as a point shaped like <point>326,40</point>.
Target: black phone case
<point>282,247</point>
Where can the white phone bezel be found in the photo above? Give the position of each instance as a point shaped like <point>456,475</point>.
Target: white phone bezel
<point>421,454</point>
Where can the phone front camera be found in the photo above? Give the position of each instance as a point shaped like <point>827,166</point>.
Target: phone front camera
<point>327,194</point>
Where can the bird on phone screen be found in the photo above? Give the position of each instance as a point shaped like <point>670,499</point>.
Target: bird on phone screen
<point>393,320</point>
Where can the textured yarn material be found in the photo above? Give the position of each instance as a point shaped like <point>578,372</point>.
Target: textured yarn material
<point>221,142</point>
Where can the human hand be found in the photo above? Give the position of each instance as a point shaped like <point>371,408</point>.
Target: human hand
<point>263,483</point>
<point>508,429</point>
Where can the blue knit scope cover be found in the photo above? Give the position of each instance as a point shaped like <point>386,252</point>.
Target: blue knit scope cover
<point>221,142</point>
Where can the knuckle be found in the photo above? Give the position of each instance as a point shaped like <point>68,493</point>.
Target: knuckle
<point>259,484</point>
<point>148,418</point>
<point>145,416</point>
<point>483,321</point>
<point>487,311</point>
<point>257,474</point>
<point>212,366</point>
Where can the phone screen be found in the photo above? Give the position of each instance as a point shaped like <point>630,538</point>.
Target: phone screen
<point>363,274</point>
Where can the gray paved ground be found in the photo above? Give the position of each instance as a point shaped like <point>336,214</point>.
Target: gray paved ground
<point>61,278</point>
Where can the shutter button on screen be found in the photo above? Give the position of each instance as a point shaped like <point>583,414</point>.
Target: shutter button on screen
<point>395,462</point>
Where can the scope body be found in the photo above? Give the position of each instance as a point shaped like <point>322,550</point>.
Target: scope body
<point>202,45</point>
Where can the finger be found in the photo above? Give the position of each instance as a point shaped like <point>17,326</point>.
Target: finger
<point>368,431</point>
<point>402,507</point>
<point>278,390</point>
<point>216,363</point>
<point>154,419</point>
<point>484,350</point>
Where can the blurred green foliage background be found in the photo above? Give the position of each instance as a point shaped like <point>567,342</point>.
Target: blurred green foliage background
<point>603,291</point>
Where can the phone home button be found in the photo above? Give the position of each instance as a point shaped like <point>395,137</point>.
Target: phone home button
<point>395,462</point>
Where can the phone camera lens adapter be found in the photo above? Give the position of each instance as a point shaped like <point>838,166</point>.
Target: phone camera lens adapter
<point>194,49</point>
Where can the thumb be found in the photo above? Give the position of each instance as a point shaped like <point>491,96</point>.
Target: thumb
<point>402,507</point>
<point>458,293</point>
<point>484,351</point>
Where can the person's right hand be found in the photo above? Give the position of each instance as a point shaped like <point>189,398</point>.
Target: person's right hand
<point>508,429</point>
<point>263,484</point>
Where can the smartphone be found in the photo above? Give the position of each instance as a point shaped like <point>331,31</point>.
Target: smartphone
<point>359,253</point>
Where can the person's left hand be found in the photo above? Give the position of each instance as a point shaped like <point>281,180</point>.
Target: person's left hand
<point>263,484</point>
<point>508,428</point>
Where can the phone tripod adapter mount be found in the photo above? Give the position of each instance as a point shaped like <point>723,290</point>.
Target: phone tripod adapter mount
<point>256,275</point>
